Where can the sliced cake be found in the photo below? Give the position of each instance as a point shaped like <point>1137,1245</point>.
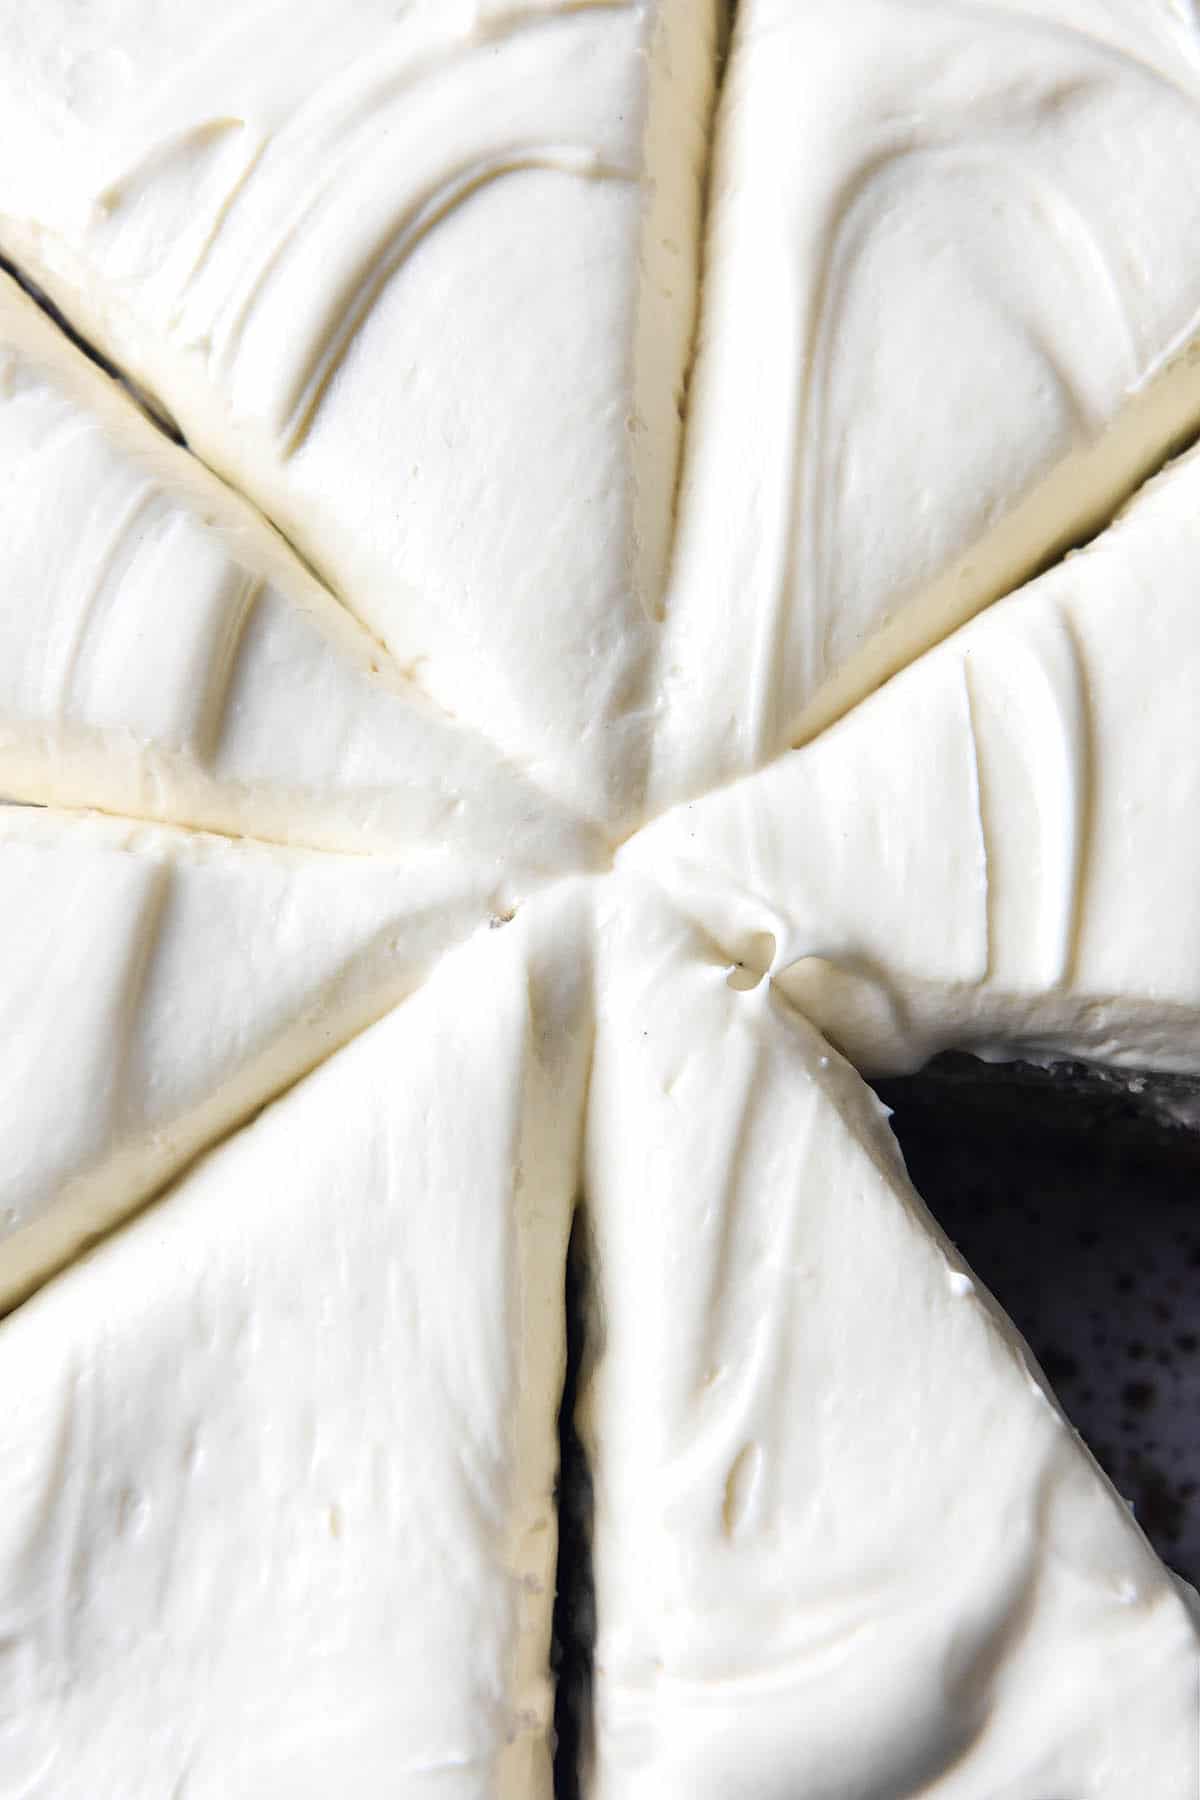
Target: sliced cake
<point>951,315</point>
<point>277,1460</point>
<point>164,654</point>
<point>1000,850</point>
<point>845,1542</point>
<point>421,280</point>
<point>157,986</point>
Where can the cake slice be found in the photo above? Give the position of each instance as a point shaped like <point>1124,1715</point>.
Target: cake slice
<point>164,654</point>
<point>951,316</point>
<point>421,281</point>
<point>845,1542</point>
<point>157,986</point>
<point>277,1460</point>
<point>999,851</point>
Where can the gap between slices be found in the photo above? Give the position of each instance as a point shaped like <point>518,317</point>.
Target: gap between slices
<point>169,664</point>
<point>1162,451</point>
<point>258,1482</point>
<point>948,325</point>
<point>1065,488</point>
<point>321,226</point>
<point>151,408</point>
<point>171,658</point>
<point>753,958</point>
<point>81,731</point>
<point>999,850</point>
<point>825,1464</point>
<point>161,986</point>
<point>574,1634</point>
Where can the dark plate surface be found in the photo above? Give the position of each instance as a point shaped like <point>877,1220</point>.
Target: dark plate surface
<point>1076,1198</point>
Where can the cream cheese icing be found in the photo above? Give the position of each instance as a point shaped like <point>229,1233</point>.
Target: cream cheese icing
<point>845,1542</point>
<point>1000,850</point>
<point>277,1462</point>
<point>950,316</point>
<point>164,654</point>
<point>421,281</point>
<point>160,985</point>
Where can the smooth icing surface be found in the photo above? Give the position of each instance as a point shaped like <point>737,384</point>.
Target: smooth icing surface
<point>158,986</point>
<point>277,1463</point>
<point>846,1545</point>
<point>949,318</point>
<point>162,652</point>
<point>420,280</point>
<point>1000,850</point>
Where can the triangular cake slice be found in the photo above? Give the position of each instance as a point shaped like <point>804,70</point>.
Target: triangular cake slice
<point>158,986</point>
<point>277,1460</point>
<point>951,315</point>
<point>1000,850</point>
<point>164,654</point>
<point>845,1542</point>
<point>421,281</point>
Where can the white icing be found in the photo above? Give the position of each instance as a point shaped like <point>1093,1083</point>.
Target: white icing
<point>1001,849</point>
<point>277,1463</point>
<point>949,319</point>
<point>845,1542</point>
<point>163,654</point>
<point>159,986</point>
<point>421,281</point>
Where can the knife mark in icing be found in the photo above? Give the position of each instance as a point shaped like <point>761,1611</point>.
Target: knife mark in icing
<point>184,145</point>
<point>231,608</point>
<point>348,309</point>
<point>1122,56</point>
<point>1080,738</point>
<point>85,616</point>
<point>1056,688</point>
<point>726,1245</point>
<point>1030,739</point>
<point>979,788</point>
<point>326,204</point>
<point>891,185</point>
<point>115,587</point>
<point>35,1628</point>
